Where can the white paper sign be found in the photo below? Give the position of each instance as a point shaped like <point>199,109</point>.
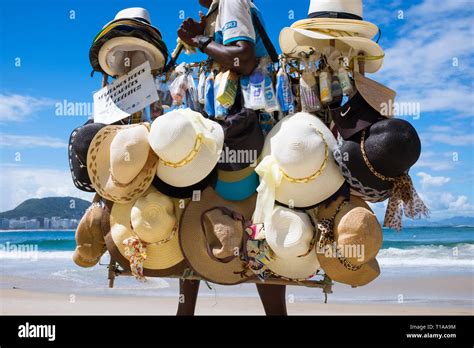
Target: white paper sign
<point>125,96</point>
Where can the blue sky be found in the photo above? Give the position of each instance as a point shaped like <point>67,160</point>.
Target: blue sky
<point>429,62</point>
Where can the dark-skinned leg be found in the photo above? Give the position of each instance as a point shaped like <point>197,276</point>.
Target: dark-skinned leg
<point>188,292</point>
<point>273,298</point>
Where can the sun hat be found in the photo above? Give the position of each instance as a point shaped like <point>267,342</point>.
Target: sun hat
<point>349,238</point>
<point>188,146</point>
<point>143,235</point>
<point>297,169</point>
<point>90,243</point>
<point>371,103</point>
<point>79,143</point>
<point>337,20</point>
<point>120,162</point>
<point>243,145</point>
<point>291,237</point>
<point>130,35</point>
<point>212,236</point>
<point>376,163</point>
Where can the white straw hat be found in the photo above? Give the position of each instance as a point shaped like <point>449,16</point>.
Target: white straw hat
<point>120,163</point>
<point>188,145</point>
<point>291,238</point>
<point>339,21</point>
<point>298,168</point>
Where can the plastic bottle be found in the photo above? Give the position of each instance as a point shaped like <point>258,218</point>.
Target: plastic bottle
<point>209,106</point>
<point>284,91</point>
<point>202,88</point>
<point>325,86</point>
<point>344,80</point>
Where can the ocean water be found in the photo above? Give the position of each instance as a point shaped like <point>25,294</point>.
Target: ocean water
<point>42,260</point>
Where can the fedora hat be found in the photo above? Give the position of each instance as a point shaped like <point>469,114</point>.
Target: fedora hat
<point>371,103</point>
<point>79,143</point>
<point>212,236</point>
<point>297,169</point>
<point>90,243</point>
<point>337,20</point>
<point>291,237</point>
<point>339,15</point>
<point>120,162</point>
<point>143,235</point>
<point>349,238</point>
<point>129,36</point>
<point>188,145</point>
<point>243,145</point>
<point>376,163</point>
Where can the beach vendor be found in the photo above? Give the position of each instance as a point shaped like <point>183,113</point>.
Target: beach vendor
<point>234,39</point>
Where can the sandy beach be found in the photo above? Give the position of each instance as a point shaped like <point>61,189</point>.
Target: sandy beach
<point>243,300</point>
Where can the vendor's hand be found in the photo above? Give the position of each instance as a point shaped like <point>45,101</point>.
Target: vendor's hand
<point>190,29</point>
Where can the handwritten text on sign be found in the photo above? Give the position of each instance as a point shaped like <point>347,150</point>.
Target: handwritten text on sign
<point>125,96</point>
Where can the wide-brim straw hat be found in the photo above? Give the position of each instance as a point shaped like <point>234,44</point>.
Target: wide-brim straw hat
<point>355,226</point>
<point>130,35</point>
<point>290,236</point>
<point>296,42</point>
<point>349,27</point>
<point>194,243</point>
<point>162,259</point>
<point>188,146</point>
<point>304,157</point>
<point>140,165</point>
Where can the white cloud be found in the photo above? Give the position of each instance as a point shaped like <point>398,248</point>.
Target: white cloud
<point>419,62</point>
<point>20,183</point>
<point>435,161</point>
<point>428,180</point>
<point>28,141</point>
<point>17,108</point>
<point>447,204</point>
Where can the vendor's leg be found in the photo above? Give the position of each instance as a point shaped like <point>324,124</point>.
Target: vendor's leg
<point>188,292</point>
<point>273,298</point>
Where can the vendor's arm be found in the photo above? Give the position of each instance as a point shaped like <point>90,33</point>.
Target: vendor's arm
<point>237,51</point>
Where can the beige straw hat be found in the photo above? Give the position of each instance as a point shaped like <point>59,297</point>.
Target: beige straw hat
<point>291,237</point>
<point>188,145</point>
<point>212,235</point>
<point>298,168</point>
<point>90,244</point>
<point>120,163</point>
<point>152,220</point>
<point>357,234</point>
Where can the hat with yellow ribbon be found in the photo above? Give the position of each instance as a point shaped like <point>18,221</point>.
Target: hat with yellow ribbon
<point>188,145</point>
<point>298,169</point>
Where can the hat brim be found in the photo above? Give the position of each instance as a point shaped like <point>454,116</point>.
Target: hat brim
<point>299,195</point>
<point>193,241</point>
<point>337,272</point>
<point>128,43</point>
<point>199,167</point>
<point>98,168</point>
<point>294,42</point>
<point>351,26</point>
<point>162,260</point>
<point>297,268</point>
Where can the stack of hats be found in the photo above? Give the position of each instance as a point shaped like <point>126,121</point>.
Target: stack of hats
<point>128,41</point>
<point>337,21</point>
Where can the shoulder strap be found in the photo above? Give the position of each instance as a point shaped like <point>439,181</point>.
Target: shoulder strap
<point>266,40</point>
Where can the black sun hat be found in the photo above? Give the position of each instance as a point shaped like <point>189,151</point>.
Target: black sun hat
<point>376,162</point>
<point>79,143</point>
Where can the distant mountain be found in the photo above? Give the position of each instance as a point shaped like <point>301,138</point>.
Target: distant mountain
<point>453,221</point>
<point>39,208</point>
